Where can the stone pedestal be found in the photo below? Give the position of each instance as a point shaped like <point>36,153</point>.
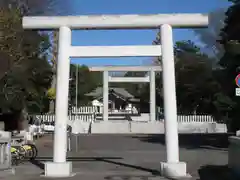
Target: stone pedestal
<point>58,170</point>
<point>174,170</point>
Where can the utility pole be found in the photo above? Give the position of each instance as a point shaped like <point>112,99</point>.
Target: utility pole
<point>76,95</point>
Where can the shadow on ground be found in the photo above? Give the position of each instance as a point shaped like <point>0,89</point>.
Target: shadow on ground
<point>193,141</point>
<point>213,172</point>
<point>130,177</point>
<point>39,162</point>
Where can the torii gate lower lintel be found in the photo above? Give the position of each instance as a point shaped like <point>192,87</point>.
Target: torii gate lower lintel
<point>60,167</point>
<point>150,78</point>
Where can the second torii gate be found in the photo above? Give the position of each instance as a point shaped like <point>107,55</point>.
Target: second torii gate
<point>150,78</point>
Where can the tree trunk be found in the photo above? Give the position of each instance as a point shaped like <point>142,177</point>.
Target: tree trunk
<point>54,66</point>
<point>53,85</point>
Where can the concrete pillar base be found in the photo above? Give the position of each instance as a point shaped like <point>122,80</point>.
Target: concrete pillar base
<point>174,170</point>
<point>58,170</point>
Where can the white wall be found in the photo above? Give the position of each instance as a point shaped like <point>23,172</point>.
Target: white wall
<point>156,127</point>
<point>138,125</point>
<point>146,127</point>
<point>110,127</point>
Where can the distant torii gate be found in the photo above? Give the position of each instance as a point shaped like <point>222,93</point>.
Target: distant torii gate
<point>59,167</point>
<point>150,78</point>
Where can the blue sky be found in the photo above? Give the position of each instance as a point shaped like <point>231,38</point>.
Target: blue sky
<point>133,37</point>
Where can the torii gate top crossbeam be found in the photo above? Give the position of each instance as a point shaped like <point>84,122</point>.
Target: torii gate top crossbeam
<point>116,21</point>
<point>126,68</point>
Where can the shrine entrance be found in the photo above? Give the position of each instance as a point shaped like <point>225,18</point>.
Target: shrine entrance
<point>165,22</point>
<point>150,78</point>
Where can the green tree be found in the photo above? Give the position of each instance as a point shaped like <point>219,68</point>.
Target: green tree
<point>195,83</point>
<point>36,7</point>
<point>87,82</point>
<point>197,86</point>
<point>230,39</point>
<point>26,73</point>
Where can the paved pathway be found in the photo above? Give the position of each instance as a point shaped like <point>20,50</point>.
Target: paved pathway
<point>129,157</point>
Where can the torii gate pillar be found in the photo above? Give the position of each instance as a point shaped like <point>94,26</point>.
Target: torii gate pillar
<point>152,85</point>
<point>105,95</point>
<point>172,168</point>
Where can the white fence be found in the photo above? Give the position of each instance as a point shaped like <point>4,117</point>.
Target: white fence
<point>99,110</point>
<point>195,118</point>
<point>86,110</point>
<point>86,122</point>
<point>43,123</point>
<point>50,118</point>
<point>87,117</point>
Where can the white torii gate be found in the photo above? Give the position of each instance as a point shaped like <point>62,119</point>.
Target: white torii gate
<point>59,167</point>
<point>150,78</point>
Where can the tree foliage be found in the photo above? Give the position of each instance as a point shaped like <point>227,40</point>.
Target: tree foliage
<point>230,39</point>
<point>36,7</point>
<point>194,79</point>
<point>87,82</point>
<point>25,73</point>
